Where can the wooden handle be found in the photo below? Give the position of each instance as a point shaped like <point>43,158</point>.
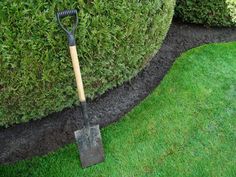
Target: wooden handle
<point>76,67</point>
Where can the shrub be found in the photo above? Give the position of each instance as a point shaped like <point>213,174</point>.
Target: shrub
<point>209,12</point>
<point>115,39</point>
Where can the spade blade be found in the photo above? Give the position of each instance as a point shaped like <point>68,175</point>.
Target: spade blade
<point>89,143</point>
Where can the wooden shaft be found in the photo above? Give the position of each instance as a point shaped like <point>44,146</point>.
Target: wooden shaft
<point>76,67</point>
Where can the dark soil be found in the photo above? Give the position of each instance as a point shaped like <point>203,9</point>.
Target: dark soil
<point>48,134</point>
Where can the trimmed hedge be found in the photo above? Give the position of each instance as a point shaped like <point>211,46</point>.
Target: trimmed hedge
<point>209,12</point>
<point>115,39</point>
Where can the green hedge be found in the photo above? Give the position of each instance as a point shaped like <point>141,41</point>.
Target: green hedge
<point>115,39</point>
<point>209,12</point>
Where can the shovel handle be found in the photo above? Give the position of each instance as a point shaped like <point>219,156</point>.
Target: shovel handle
<point>78,77</point>
<point>70,34</point>
<point>65,13</point>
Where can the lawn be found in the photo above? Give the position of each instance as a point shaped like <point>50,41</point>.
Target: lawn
<point>186,127</point>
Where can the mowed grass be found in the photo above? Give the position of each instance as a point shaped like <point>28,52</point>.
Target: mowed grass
<point>186,127</point>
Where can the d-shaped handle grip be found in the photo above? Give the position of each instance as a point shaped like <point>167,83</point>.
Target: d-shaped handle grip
<point>65,13</point>
<point>70,34</point>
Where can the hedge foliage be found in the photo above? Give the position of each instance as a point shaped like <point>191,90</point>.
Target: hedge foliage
<point>209,12</point>
<point>115,39</point>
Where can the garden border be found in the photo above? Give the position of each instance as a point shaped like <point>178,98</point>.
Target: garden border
<point>55,130</point>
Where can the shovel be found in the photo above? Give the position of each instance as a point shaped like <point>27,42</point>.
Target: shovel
<point>88,139</point>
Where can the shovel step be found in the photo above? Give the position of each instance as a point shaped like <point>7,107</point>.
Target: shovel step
<point>89,142</point>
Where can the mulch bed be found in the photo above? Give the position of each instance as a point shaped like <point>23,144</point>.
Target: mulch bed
<point>48,134</point>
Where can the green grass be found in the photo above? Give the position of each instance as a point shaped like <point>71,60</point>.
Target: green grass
<point>186,127</point>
